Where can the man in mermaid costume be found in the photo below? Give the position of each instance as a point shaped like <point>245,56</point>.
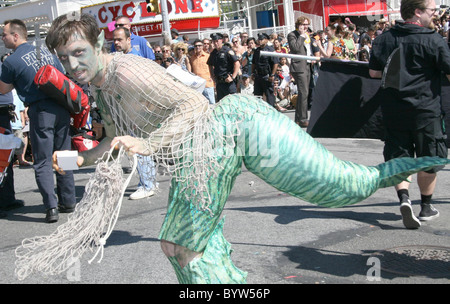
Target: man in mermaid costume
<point>207,146</point>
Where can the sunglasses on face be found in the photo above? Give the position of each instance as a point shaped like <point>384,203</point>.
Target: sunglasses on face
<point>120,24</point>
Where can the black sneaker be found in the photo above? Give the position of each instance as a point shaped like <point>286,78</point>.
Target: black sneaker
<point>409,219</point>
<point>428,212</point>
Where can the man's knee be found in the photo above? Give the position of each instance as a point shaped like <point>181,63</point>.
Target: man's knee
<point>182,254</point>
<point>168,248</point>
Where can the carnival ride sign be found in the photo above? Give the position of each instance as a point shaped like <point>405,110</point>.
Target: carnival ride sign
<point>183,15</point>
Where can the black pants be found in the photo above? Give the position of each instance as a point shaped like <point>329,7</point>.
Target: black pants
<point>7,194</point>
<point>49,132</point>
<point>262,86</point>
<point>223,89</point>
<point>427,141</point>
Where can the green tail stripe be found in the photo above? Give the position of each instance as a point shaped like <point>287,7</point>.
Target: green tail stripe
<point>398,170</point>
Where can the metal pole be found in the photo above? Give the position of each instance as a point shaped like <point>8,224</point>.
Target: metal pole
<point>165,23</point>
<point>313,58</point>
<point>288,18</point>
<point>292,56</point>
<point>249,18</point>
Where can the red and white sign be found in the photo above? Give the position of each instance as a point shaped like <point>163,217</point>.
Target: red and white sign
<point>183,15</point>
<point>373,9</point>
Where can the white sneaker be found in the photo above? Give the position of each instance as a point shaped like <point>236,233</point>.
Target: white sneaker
<point>409,219</point>
<point>141,193</point>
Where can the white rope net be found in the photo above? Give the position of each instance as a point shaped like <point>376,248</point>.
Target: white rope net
<point>87,227</point>
<point>180,131</point>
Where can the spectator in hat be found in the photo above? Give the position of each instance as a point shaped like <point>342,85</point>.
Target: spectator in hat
<point>246,87</point>
<point>175,36</point>
<point>264,69</point>
<point>382,27</point>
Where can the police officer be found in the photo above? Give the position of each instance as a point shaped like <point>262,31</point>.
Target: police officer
<point>224,66</point>
<point>263,71</point>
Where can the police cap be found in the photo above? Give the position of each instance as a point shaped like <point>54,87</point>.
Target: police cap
<point>262,36</point>
<point>216,36</point>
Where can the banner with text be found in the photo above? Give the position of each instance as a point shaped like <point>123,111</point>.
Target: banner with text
<point>183,15</point>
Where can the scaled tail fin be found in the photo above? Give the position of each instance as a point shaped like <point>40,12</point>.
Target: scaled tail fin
<point>398,170</point>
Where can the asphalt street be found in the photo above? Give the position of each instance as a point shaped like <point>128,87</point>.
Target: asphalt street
<point>276,238</point>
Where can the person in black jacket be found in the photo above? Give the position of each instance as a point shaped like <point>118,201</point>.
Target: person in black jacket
<point>411,105</point>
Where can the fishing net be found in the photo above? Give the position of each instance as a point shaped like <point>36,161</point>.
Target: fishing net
<point>87,228</point>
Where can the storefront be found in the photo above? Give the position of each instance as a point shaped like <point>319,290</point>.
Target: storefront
<point>360,12</point>
<point>184,15</point>
<point>193,15</point>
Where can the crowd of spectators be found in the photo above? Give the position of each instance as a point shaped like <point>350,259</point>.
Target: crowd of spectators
<point>341,39</point>
<point>349,42</point>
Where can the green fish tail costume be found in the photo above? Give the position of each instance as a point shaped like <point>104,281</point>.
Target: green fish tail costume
<point>274,148</point>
